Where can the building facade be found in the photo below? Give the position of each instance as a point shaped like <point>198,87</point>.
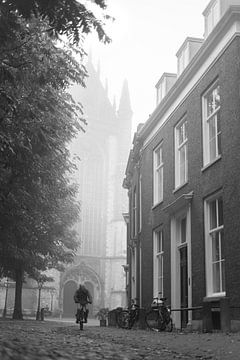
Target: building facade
<point>182,180</point>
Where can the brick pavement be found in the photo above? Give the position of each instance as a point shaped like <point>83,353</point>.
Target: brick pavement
<point>50,340</point>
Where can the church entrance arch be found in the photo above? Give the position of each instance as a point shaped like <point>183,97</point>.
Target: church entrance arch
<point>69,307</point>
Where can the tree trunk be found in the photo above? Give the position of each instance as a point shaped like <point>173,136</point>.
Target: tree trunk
<point>17,313</point>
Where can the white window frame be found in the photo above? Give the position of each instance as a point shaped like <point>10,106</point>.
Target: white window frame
<point>158,258</point>
<point>158,175</point>
<point>181,146</point>
<point>207,120</point>
<point>210,262</point>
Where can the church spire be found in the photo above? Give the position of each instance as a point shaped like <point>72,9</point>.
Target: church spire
<point>125,111</point>
<point>114,104</point>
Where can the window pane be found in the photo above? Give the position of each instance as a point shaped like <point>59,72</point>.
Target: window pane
<point>181,134</point>
<point>215,247</point>
<point>212,150</point>
<point>160,181</point>
<point>212,128</point>
<point>223,275</point>
<point>217,97</point>
<point>183,230</point>
<point>213,215</point>
<point>212,138</point>
<point>160,266</point>
<point>218,134</point>
<point>183,163</point>
<point>159,241</point>
<point>158,155</point>
<point>221,235</point>
<point>220,211</point>
<point>219,144</point>
<point>216,277</point>
<point>213,101</point>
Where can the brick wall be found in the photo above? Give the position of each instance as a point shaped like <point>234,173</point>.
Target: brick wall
<point>224,174</point>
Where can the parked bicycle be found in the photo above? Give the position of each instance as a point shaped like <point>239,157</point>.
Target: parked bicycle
<point>127,317</point>
<point>158,318</point>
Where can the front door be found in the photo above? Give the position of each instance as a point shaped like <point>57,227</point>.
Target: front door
<point>184,284</point>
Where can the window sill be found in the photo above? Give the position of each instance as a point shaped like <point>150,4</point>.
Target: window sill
<point>180,187</point>
<point>211,163</point>
<point>214,297</point>
<point>156,205</point>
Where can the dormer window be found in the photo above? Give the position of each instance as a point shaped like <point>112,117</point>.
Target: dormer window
<point>183,59</point>
<point>212,16</point>
<point>161,90</point>
<point>187,51</point>
<point>164,85</point>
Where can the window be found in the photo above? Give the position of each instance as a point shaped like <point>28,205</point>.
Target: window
<point>211,125</point>
<point>212,17</point>
<point>158,262</point>
<point>183,59</point>
<point>161,90</point>
<point>158,175</point>
<point>181,154</point>
<point>183,230</point>
<point>215,259</point>
<point>134,213</point>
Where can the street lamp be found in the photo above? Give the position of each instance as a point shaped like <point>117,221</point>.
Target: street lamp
<point>6,296</point>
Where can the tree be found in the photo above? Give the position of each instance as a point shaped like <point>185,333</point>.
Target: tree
<point>38,118</point>
<point>69,17</point>
<point>37,121</point>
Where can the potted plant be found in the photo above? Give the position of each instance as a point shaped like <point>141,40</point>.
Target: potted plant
<point>102,315</point>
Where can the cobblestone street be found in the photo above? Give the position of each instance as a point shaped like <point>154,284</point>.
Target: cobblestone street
<point>48,340</point>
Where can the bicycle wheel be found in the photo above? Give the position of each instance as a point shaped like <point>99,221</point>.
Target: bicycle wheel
<point>154,320</point>
<point>169,325</point>
<point>123,319</point>
<point>133,316</point>
<point>167,319</point>
<point>80,318</point>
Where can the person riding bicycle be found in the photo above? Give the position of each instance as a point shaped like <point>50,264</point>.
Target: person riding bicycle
<point>83,297</point>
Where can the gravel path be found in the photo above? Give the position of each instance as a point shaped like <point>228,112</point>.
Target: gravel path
<point>50,340</point>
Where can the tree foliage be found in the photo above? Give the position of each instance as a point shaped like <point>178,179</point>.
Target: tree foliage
<point>70,17</point>
<point>38,119</point>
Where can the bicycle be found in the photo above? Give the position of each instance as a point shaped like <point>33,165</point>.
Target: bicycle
<point>127,317</point>
<point>81,316</point>
<point>158,318</point>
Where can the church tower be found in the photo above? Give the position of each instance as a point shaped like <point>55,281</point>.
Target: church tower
<point>103,152</point>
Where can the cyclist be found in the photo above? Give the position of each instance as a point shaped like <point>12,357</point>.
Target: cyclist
<point>83,297</point>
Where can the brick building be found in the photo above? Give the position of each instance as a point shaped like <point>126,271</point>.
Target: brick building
<point>182,178</point>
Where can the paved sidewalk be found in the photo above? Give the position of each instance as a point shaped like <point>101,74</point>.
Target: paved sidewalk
<point>62,340</point>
